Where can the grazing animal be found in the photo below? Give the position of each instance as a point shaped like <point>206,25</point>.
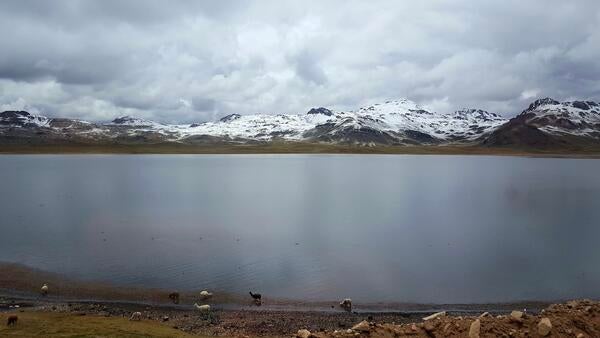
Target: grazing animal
<point>204,295</point>
<point>137,316</point>
<point>174,297</point>
<point>12,320</point>
<point>346,304</point>
<point>44,290</point>
<point>256,296</point>
<point>202,308</point>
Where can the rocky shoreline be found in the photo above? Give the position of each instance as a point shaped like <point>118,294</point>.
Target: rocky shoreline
<point>578,319</point>
<point>217,322</point>
<point>237,316</point>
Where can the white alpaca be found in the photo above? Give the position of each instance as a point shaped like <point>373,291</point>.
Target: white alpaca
<point>202,308</point>
<point>137,316</point>
<point>346,304</point>
<point>44,289</point>
<point>204,295</point>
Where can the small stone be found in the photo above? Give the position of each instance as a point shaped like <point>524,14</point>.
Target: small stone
<point>349,331</point>
<point>544,327</point>
<point>485,314</point>
<point>362,326</point>
<point>580,335</point>
<point>475,329</point>
<point>435,315</point>
<point>516,316</point>
<point>428,327</point>
<point>165,318</point>
<point>304,333</point>
<point>413,327</point>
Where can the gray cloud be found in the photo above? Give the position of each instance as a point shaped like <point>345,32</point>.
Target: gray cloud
<point>200,60</point>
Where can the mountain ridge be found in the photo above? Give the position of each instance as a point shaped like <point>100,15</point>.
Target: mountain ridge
<point>545,123</point>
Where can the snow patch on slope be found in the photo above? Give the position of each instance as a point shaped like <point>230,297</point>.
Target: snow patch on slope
<point>22,118</point>
<point>580,118</point>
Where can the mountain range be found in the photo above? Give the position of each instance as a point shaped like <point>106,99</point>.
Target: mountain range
<point>545,124</point>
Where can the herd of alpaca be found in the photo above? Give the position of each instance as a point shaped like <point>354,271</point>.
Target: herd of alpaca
<point>346,304</point>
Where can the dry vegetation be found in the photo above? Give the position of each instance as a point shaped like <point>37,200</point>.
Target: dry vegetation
<point>290,148</point>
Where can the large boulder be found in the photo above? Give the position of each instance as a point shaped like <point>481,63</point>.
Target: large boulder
<point>544,327</point>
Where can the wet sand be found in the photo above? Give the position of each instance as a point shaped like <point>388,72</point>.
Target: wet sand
<point>230,315</point>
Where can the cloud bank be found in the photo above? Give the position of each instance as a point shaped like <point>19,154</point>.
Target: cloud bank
<point>200,60</point>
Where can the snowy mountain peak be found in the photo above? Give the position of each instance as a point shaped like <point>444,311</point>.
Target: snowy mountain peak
<point>13,118</point>
<point>131,121</point>
<point>567,108</point>
<point>476,113</point>
<point>321,110</point>
<point>392,107</point>
<point>542,102</point>
<point>580,118</point>
<point>231,117</point>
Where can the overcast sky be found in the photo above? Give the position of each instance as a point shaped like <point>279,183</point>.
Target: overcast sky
<point>200,60</point>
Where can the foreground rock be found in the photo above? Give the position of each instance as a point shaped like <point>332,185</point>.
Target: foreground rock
<point>475,329</point>
<point>517,316</point>
<point>544,327</point>
<point>303,333</point>
<point>435,315</point>
<point>579,319</point>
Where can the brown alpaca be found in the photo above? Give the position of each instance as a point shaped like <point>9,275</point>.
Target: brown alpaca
<point>12,320</point>
<point>174,297</point>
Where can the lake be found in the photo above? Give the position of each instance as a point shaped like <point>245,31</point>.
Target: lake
<point>427,229</point>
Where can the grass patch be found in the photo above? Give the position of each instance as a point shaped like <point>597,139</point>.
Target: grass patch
<point>45,324</point>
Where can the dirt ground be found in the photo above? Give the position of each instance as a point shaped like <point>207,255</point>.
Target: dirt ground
<point>578,319</point>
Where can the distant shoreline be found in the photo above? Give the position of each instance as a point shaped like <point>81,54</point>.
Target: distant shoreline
<point>291,148</point>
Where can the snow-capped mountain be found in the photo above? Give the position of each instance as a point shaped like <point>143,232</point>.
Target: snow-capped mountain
<point>399,122</point>
<point>573,117</point>
<point>547,122</point>
<point>391,122</point>
<point>20,119</point>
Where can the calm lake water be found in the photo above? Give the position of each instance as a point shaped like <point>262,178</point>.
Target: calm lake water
<point>435,229</point>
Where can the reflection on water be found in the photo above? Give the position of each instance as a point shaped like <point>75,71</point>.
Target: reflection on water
<point>434,229</point>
